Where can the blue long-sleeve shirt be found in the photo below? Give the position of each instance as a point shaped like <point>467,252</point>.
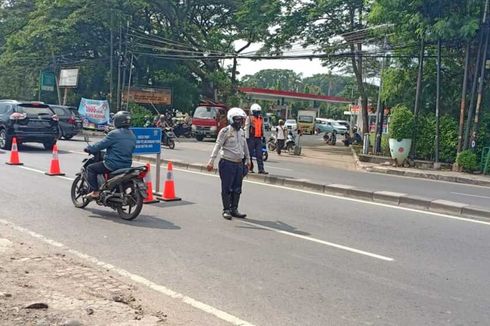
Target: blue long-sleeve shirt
<point>120,144</point>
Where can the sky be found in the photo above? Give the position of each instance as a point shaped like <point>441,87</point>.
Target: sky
<point>305,67</point>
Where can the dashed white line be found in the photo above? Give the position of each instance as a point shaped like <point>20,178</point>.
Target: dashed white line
<point>330,244</point>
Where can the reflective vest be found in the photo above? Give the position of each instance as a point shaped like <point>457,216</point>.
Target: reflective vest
<point>256,127</point>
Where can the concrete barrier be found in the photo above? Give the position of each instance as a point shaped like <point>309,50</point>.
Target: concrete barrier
<point>388,197</point>
<point>337,189</point>
<point>447,207</point>
<point>417,202</point>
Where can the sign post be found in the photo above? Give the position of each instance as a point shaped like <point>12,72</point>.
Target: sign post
<point>148,141</point>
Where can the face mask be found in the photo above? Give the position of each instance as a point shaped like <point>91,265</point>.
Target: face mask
<point>256,113</point>
<point>237,124</point>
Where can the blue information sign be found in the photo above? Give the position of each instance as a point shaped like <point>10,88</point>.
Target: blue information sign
<point>148,140</point>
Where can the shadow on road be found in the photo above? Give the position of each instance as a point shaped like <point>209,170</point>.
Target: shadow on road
<point>277,225</point>
<point>142,221</point>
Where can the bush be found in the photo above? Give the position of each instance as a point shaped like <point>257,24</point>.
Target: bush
<point>468,161</point>
<point>401,123</point>
<point>448,140</point>
<point>385,146</point>
<point>138,114</point>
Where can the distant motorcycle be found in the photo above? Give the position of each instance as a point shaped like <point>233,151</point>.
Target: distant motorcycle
<point>123,190</point>
<point>168,137</point>
<point>290,144</point>
<point>183,129</point>
<point>272,143</point>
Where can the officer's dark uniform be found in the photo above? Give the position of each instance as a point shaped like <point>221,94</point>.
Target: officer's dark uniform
<point>232,145</point>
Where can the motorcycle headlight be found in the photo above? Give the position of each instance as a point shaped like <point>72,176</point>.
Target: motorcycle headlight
<point>214,128</point>
<point>194,128</point>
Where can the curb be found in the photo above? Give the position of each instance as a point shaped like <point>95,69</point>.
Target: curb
<point>418,174</point>
<point>382,197</point>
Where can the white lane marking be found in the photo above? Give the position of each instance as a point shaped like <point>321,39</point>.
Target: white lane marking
<point>274,168</point>
<point>463,219</point>
<point>330,244</point>
<point>469,195</point>
<point>42,172</point>
<point>136,278</point>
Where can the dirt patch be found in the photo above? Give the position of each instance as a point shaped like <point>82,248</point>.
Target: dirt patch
<point>43,285</point>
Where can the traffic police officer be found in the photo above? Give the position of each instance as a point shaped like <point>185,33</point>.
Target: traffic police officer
<point>255,134</point>
<point>234,164</point>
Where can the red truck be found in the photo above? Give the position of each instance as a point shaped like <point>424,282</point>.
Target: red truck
<point>208,119</point>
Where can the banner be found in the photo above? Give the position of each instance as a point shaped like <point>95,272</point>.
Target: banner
<point>95,114</point>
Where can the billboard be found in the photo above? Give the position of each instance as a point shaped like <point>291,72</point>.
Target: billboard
<point>161,96</point>
<point>69,77</point>
<point>95,114</point>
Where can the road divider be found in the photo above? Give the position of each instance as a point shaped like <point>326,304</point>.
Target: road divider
<point>383,197</point>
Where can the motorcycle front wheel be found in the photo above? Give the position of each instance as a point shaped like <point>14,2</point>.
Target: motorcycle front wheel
<point>290,148</point>
<point>171,144</point>
<point>132,203</point>
<point>265,156</point>
<point>79,189</point>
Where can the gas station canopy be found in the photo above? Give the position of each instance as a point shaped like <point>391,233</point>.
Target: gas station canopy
<point>274,95</point>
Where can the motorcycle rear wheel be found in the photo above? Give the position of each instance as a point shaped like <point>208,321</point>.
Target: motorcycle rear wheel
<point>290,148</point>
<point>79,188</point>
<point>134,203</point>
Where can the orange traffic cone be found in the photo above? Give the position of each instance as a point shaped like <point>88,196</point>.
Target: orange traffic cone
<point>169,186</point>
<point>149,188</point>
<point>14,154</point>
<point>55,163</point>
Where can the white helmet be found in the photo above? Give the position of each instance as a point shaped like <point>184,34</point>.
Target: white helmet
<point>235,112</point>
<point>255,107</point>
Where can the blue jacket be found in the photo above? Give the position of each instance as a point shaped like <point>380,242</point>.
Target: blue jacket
<point>120,144</point>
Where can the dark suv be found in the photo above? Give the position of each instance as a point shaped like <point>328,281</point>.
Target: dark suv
<point>29,122</point>
<point>69,122</point>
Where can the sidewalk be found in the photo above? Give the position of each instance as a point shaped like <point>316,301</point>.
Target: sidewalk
<point>443,175</point>
<point>45,285</point>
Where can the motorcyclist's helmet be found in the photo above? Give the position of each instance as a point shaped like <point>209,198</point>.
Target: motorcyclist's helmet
<point>122,119</point>
<point>255,108</point>
<point>235,113</point>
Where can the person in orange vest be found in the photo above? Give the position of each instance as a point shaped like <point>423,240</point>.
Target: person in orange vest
<point>255,133</point>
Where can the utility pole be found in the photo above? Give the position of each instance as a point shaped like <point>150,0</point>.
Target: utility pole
<point>56,78</point>
<point>379,109</point>
<point>130,75</point>
<point>438,103</point>
<point>463,97</point>
<point>118,91</point>
<point>111,64</point>
<point>124,65</point>
<point>418,95</point>
<point>476,124</point>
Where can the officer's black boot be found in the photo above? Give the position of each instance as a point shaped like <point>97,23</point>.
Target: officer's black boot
<point>235,199</point>
<point>226,198</point>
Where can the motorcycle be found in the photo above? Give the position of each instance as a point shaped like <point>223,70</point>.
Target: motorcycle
<point>123,190</point>
<point>330,138</point>
<point>272,143</point>
<point>290,144</point>
<point>168,137</point>
<point>265,153</point>
<point>183,129</point>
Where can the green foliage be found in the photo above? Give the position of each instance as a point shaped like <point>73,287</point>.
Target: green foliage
<point>425,133</point>
<point>401,123</point>
<point>138,114</point>
<point>385,144</point>
<point>468,161</point>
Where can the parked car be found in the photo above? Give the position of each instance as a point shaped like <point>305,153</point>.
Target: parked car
<point>69,123</point>
<point>328,125</point>
<point>344,123</point>
<point>291,124</point>
<point>28,122</point>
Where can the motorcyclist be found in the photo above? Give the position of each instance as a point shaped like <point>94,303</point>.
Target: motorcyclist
<point>119,144</point>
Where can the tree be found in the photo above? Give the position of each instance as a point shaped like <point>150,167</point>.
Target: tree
<point>319,23</point>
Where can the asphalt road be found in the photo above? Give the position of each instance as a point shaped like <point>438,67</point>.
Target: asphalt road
<point>299,259</point>
<point>294,167</point>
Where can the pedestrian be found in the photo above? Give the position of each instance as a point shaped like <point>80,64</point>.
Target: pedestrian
<point>281,135</point>
<point>234,163</point>
<point>255,134</point>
